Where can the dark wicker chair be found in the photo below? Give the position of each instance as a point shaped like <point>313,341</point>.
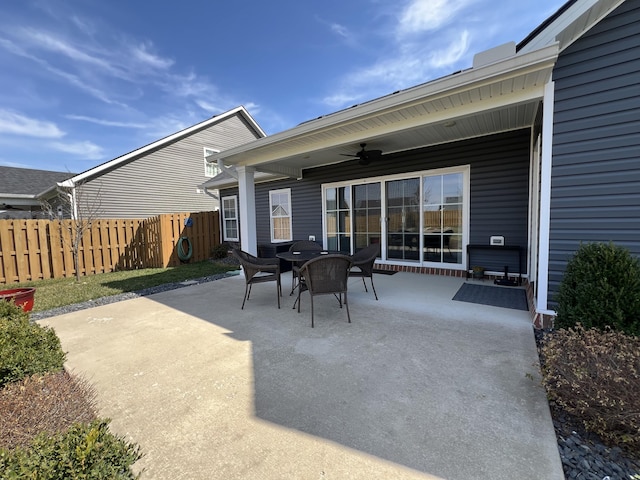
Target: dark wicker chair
<point>327,274</point>
<point>258,270</point>
<point>364,260</point>
<point>298,247</point>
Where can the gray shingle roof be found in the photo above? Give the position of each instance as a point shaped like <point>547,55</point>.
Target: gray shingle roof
<point>26,181</point>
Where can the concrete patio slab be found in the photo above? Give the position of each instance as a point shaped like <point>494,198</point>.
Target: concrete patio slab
<point>416,387</point>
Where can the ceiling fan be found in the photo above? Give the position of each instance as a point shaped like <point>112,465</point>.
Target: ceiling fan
<point>365,156</point>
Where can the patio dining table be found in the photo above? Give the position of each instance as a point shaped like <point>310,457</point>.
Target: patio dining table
<point>299,258</point>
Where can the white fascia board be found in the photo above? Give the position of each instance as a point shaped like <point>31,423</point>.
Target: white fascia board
<point>17,196</point>
<point>450,84</point>
<point>583,13</point>
<point>71,182</point>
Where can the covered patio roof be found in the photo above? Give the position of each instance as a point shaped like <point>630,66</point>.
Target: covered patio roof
<point>495,97</point>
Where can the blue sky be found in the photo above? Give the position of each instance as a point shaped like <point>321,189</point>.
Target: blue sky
<point>85,81</point>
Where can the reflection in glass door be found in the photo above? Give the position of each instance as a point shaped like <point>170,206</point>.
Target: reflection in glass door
<point>442,218</point>
<point>338,219</point>
<point>403,219</point>
<point>366,215</point>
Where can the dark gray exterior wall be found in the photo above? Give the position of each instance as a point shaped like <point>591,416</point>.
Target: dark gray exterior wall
<point>499,188</point>
<point>595,184</point>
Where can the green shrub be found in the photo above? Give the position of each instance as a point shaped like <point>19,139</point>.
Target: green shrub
<point>10,311</point>
<point>85,451</point>
<point>595,376</point>
<point>220,251</point>
<point>26,348</point>
<point>600,288</point>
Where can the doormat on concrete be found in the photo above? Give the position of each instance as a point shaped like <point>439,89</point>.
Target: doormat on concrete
<point>384,272</point>
<point>505,297</point>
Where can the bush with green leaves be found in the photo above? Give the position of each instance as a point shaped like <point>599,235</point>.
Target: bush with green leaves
<point>85,451</point>
<point>595,376</point>
<point>220,251</point>
<point>26,348</point>
<point>600,288</point>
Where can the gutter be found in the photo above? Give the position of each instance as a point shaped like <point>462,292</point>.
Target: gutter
<point>71,182</point>
<point>403,98</point>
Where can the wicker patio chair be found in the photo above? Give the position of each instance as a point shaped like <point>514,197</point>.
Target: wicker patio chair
<point>295,267</point>
<point>258,270</point>
<point>327,274</point>
<point>364,260</point>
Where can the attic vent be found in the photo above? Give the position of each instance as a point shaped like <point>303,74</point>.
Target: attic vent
<point>494,54</point>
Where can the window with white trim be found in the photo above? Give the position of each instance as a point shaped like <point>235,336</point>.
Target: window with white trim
<point>230,219</point>
<point>210,168</point>
<point>280,208</point>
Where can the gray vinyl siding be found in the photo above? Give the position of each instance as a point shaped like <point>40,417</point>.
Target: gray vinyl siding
<point>595,183</point>
<point>498,188</point>
<point>165,180</point>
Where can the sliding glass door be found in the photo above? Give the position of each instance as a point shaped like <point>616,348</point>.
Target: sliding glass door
<point>338,219</point>
<point>367,213</point>
<point>442,209</point>
<point>403,219</point>
<point>421,218</point>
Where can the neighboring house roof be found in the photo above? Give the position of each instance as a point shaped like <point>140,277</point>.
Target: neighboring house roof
<point>96,171</point>
<point>501,92</point>
<point>26,183</point>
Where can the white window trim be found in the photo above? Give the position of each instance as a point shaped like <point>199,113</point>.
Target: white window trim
<point>207,152</point>
<point>287,191</point>
<point>224,220</point>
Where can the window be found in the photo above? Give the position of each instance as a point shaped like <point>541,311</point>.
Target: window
<point>210,168</point>
<point>280,208</point>
<point>230,218</point>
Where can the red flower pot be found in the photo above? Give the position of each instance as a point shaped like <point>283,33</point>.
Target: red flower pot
<point>23,297</point>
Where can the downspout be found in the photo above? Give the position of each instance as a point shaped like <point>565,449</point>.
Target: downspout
<point>545,205</point>
<point>74,203</point>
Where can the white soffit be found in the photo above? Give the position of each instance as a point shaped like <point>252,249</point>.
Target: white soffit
<point>498,97</point>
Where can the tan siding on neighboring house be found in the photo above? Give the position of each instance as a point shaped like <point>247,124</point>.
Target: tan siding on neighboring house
<point>165,180</point>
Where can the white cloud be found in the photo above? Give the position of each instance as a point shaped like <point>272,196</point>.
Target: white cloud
<point>413,64</point>
<point>87,150</point>
<point>341,30</point>
<point>106,123</point>
<point>52,43</point>
<point>427,15</point>
<point>453,52</point>
<point>17,124</point>
<point>142,53</point>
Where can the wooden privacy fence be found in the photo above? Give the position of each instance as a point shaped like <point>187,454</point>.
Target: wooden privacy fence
<point>39,249</point>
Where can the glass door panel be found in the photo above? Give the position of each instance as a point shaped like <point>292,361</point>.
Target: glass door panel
<point>338,218</point>
<point>442,218</point>
<point>366,213</point>
<point>403,219</point>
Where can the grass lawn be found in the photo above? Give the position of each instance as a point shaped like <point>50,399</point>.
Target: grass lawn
<point>66,291</point>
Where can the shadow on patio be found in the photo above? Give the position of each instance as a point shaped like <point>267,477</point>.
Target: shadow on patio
<point>418,386</point>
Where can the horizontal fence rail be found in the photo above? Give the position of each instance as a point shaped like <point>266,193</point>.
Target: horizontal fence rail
<point>39,249</point>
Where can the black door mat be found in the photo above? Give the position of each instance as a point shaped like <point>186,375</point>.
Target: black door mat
<point>384,272</point>
<point>506,297</point>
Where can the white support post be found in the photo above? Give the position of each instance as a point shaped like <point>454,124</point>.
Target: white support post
<point>545,199</point>
<point>247,200</point>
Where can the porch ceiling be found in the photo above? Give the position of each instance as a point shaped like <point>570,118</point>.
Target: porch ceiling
<point>480,101</point>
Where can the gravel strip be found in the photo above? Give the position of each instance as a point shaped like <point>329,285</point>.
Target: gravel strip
<point>125,296</point>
